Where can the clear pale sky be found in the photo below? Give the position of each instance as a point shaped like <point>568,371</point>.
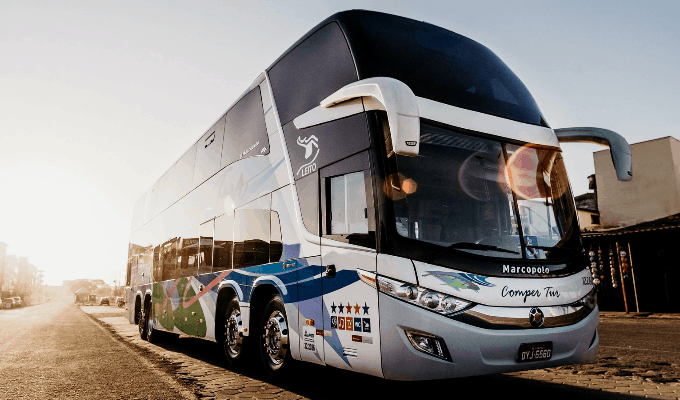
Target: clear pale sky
<point>98,99</point>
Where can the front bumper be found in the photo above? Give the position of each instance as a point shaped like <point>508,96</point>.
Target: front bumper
<point>474,350</point>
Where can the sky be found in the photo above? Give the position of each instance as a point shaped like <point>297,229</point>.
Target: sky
<point>98,99</point>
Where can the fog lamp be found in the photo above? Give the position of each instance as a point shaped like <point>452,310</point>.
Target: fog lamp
<point>429,344</point>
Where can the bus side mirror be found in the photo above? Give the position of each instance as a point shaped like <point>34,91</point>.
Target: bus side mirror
<point>622,156</point>
<point>386,94</point>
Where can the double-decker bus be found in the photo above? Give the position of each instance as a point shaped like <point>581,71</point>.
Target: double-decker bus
<point>385,198</point>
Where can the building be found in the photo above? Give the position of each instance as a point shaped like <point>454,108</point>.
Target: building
<point>639,228</point>
<point>654,191</point>
<point>586,208</point>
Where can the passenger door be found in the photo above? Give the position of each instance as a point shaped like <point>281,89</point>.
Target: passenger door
<point>350,305</point>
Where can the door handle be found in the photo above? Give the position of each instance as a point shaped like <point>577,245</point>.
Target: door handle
<point>289,264</point>
<point>330,271</point>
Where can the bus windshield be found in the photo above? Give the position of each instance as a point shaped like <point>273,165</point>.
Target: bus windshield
<point>484,197</point>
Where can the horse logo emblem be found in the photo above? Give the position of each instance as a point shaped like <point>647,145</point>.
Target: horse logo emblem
<point>308,144</point>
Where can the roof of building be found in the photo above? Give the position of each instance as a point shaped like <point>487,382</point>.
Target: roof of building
<point>587,202</point>
<point>82,290</point>
<point>644,141</point>
<point>669,222</point>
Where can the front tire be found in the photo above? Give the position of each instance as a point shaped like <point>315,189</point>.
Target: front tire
<point>274,343</point>
<point>233,339</point>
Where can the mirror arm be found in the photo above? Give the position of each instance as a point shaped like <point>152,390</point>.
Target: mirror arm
<point>397,99</point>
<point>620,151</point>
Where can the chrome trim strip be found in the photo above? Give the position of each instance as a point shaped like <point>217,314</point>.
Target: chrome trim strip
<point>485,123</point>
<point>518,317</point>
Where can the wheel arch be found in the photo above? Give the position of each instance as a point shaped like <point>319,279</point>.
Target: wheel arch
<point>260,296</point>
<point>225,293</point>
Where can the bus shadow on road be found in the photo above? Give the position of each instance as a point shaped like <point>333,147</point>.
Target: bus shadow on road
<point>319,382</point>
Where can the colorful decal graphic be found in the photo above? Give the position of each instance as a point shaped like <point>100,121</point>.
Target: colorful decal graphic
<point>366,324</point>
<point>334,322</point>
<point>357,324</point>
<point>349,309</point>
<point>461,280</point>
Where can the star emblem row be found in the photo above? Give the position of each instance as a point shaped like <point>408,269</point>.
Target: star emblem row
<point>340,309</point>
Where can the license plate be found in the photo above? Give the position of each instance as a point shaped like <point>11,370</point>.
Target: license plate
<point>534,352</point>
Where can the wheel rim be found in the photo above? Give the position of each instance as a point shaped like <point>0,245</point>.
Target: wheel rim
<point>232,338</point>
<point>275,338</point>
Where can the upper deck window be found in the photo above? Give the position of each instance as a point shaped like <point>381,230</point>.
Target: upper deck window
<point>438,64</point>
<point>245,133</point>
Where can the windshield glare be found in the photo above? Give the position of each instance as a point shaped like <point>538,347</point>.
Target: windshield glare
<point>465,193</point>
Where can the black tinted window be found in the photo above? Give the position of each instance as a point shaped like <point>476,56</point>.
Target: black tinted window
<point>438,64</point>
<point>224,242</point>
<point>208,153</point>
<point>251,238</point>
<point>169,259</point>
<point>188,257</point>
<point>245,130</point>
<point>311,72</point>
<point>276,245</point>
<point>205,248</point>
<point>308,196</point>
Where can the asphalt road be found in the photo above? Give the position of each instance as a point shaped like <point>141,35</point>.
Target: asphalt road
<point>54,351</point>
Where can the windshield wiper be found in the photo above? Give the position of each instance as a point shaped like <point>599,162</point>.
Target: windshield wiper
<point>549,249</point>
<point>473,246</point>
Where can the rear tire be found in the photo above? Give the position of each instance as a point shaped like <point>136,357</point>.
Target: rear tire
<point>141,322</point>
<point>234,343</point>
<point>151,333</point>
<point>274,340</point>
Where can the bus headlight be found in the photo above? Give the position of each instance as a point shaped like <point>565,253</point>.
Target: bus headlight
<point>441,303</point>
<point>429,299</point>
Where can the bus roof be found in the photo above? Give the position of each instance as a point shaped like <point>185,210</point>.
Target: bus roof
<point>434,62</point>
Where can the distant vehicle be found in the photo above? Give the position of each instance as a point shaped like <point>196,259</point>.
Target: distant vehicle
<point>17,301</point>
<point>92,299</point>
<point>120,302</point>
<point>8,302</point>
<point>104,300</point>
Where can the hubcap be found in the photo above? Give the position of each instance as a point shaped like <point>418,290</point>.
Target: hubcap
<point>275,335</point>
<point>232,339</point>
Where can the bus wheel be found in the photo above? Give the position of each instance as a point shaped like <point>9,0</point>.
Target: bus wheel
<point>151,333</point>
<point>233,338</point>
<point>274,348</point>
<point>141,322</point>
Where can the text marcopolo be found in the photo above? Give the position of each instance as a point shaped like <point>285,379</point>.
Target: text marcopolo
<point>511,269</point>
